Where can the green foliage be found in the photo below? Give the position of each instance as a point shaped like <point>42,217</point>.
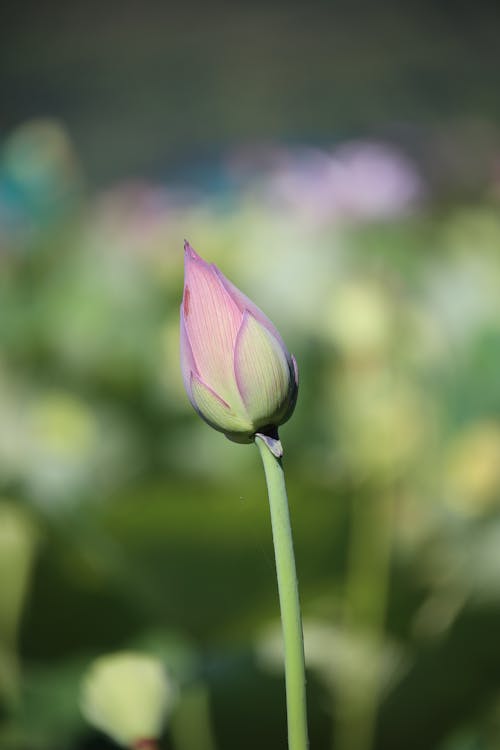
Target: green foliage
<point>143,529</point>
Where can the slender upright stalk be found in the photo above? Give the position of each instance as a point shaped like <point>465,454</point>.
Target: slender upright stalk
<point>289,599</point>
<point>190,726</point>
<point>367,593</point>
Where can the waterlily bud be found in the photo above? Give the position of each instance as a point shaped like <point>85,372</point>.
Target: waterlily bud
<point>238,373</point>
<point>128,697</point>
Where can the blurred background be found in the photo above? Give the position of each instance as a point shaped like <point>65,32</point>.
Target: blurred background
<point>340,162</point>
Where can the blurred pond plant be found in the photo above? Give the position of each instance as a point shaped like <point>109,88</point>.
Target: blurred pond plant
<point>18,542</point>
<point>128,696</point>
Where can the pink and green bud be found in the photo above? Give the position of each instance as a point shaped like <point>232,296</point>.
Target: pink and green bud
<point>238,373</point>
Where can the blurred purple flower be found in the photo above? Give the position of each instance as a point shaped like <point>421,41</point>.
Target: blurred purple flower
<point>358,180</point>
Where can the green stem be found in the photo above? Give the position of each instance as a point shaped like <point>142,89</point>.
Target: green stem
<point>190,725</point>
<point>367,594</point>
<point>289,599</point>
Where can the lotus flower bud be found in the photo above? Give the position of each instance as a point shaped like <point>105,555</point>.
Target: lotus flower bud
<point>127,696</point>
<point>238,373</point>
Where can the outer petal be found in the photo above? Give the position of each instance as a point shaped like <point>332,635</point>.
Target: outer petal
<point>244,303</point>
<point>212,320</point>
<point>290,408</point>
<point>188,365</point>
<point>262,371</point>
<point>215,410</point>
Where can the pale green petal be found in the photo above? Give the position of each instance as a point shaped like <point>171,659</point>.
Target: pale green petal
<point>216,411</point>
<point>262,371</point>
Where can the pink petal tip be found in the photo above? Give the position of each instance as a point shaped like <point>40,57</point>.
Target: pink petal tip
<point>190,252</point>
